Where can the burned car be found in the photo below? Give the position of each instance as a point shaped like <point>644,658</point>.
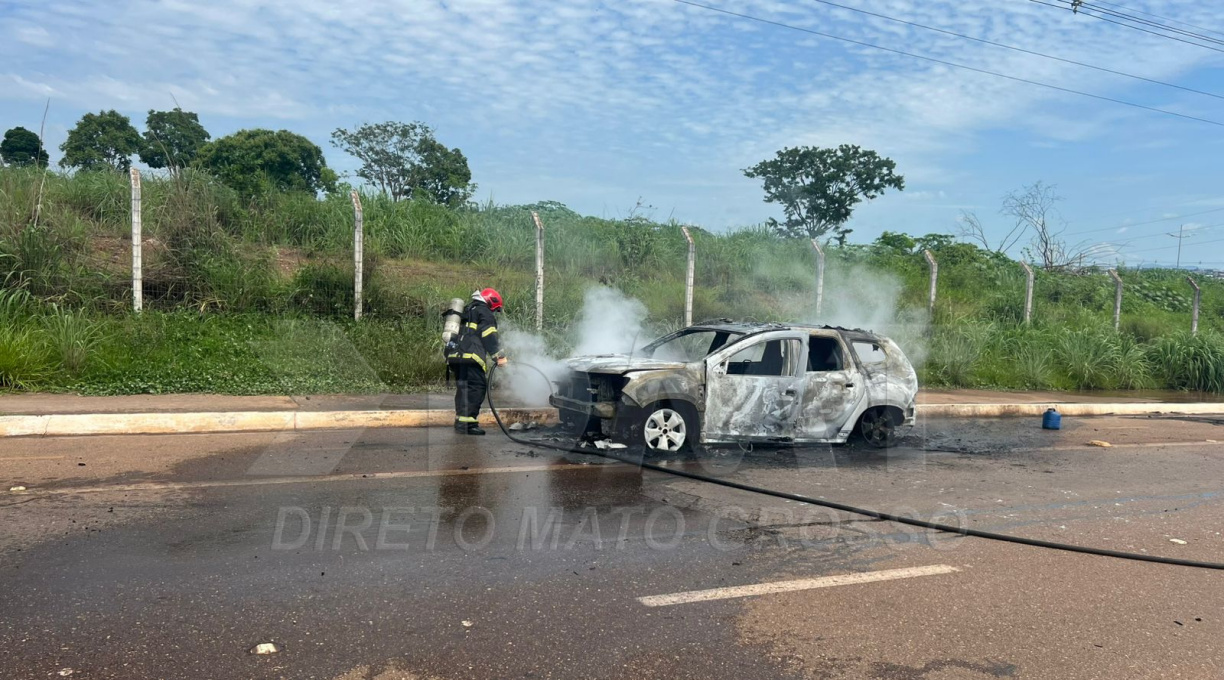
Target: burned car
<point>725,382</point>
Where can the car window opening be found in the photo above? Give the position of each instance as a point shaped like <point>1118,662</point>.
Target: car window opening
<point>825,354</point>
<point>870,353</point>
<point>773,358</point>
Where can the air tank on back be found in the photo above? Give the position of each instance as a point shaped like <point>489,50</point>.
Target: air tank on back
<point>451,318</point>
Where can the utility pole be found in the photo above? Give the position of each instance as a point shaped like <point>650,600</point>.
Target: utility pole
<point>1180,235</point>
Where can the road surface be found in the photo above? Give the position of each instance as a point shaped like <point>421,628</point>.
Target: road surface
<point>420,554</point>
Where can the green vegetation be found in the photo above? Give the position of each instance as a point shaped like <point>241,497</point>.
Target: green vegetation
<point>253,293</point>
<point>101,141</point>
<point>819,188</point>
<point>21,147</point>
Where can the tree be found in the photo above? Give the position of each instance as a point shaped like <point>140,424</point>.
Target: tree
<point>900,242</point>
<point>253,161</point>
<point>404,159</point>
<point>22,147</point>
<point>101,141</point>
<point>818,188</point>
<point>1035,209</point>
<point>172,139</point>
<point>970,228</point>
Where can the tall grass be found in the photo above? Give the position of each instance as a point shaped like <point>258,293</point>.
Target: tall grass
<point>221,270</point>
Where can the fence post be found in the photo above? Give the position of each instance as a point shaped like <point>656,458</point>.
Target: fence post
<point>358,253</point>
<point>820,264</point>
<point>1117,297</point>
<point>539,271</point>
<point>1198,295</point>
<point>137,246</point>
<point>1028,292</point>
<point>688,278</point>
<point>934,278</point>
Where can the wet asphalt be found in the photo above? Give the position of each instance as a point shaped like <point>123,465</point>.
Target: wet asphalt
<point>424,554</point>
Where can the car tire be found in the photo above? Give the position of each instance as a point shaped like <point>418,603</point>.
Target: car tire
<point>667,427</point>
<point>878,427</point>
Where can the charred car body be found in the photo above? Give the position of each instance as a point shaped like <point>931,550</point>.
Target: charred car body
<point>724,382</point>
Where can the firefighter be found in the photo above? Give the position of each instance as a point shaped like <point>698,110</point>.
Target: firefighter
<point>470,354</point>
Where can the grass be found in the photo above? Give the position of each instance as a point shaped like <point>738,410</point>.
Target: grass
<point>254,295</point>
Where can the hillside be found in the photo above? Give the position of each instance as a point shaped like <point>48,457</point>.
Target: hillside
<point>255,296</point>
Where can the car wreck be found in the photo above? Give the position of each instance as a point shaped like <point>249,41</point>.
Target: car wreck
<point>726,382</point>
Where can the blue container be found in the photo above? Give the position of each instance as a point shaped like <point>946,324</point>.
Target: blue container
<point>1052,420</point>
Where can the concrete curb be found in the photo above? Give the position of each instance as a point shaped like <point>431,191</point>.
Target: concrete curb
<point>280,421</point>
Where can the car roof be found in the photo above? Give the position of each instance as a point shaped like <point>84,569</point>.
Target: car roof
<point>754,327</point>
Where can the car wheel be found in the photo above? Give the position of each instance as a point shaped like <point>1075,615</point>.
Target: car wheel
<point>878,428</point>
<point>667,428</point>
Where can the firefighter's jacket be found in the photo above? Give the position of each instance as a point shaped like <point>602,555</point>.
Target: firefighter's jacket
<point>477,342</point>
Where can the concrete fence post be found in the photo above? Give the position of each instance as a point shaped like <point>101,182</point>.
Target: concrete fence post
<point>358,253</point>
<point>137,246</point>
<point>539,271</point>
<point>688,278</point>
<point>1198,296</point>
<point>1117,297</point>
<point>1028,292</point>
<point>820,267</point>
<point>930,258</point>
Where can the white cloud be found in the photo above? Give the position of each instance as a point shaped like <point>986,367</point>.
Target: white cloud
<point>629,93</point>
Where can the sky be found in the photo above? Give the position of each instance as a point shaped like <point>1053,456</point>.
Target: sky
<point>607,105</point>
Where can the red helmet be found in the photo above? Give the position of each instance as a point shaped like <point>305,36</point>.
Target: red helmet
<point>492,297</point>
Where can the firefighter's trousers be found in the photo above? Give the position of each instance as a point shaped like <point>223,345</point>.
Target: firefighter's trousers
<point>471,386</point>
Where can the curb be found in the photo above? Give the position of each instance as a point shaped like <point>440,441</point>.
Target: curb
<point>279,421</point>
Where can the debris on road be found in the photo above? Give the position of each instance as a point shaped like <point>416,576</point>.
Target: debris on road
<point>1098,442</point>
<point>522,426</point>
<point>17,488</point>
<point>65,672</point>
<point>1178,541</point>
<point>265,648</point>
<point>605,444</point>
<point>468,624</point>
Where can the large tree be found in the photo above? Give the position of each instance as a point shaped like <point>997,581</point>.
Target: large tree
<point>22,147</point>
<point>253,161</point>
<point>172,139</point>
<point>405,160</point>
<point>101,141</point>
<point>819,188</point>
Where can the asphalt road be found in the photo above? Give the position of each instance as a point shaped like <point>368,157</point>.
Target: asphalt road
<point>419,554</point>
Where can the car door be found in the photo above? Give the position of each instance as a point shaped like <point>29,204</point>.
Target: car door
<point>833,388</point>
<point>754,388</point>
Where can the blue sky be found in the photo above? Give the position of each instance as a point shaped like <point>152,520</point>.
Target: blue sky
<point>597,104</point>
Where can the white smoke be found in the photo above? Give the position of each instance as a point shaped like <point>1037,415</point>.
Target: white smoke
<point>858,296</point>
<point>855,296</point>
<point>609,323</point>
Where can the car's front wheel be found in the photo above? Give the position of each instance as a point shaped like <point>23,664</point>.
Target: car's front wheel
<point>878,427</point>
<point>668,428</point>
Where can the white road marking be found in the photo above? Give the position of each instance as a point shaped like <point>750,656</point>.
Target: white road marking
<point>791,586</point>
<point>406,474</point>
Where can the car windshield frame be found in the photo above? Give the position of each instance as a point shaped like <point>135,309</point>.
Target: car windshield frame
<point>733,337</point>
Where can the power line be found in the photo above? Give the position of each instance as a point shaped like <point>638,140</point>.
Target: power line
<point>1153,24</point>
<point>1139,11</point>
<point>953,64</point>
<point>1140,224</point>
<point>1147,22</point>
<point>1087,13</point>
<point>1200,243</point>
<point>1017,49</point>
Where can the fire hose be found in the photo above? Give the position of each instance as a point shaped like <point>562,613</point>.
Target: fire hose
<point>934,526</point>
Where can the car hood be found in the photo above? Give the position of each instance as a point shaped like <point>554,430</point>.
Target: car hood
<point>618,364</point>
